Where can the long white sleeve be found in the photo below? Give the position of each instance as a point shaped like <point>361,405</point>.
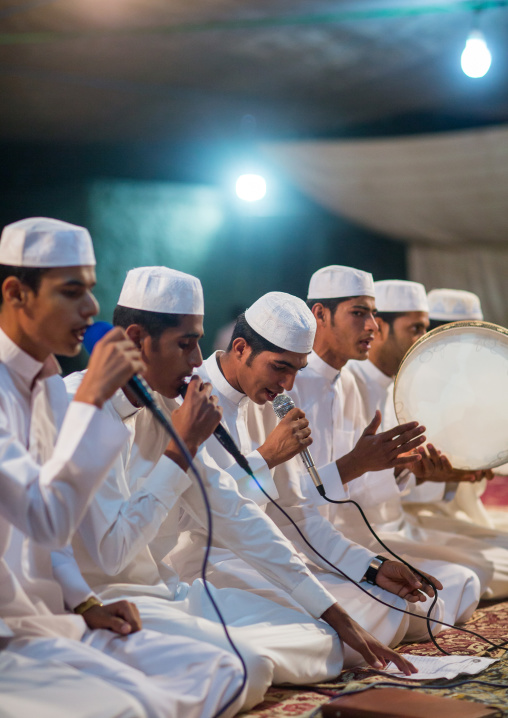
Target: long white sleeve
<point>121,520</point>
<point>118,526</point>
<point>66,571</point>
<point>348,556</point>
<point>47,502</point>
<point>246,484</point>
<point>241,526</point>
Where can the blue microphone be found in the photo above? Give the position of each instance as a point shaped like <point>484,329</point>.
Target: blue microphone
<point>144,395</point>
<point>136,384</point>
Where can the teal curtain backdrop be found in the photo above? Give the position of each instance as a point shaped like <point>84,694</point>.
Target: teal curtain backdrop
<point>238,250</point>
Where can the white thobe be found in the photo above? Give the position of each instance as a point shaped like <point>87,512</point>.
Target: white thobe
<point>47,689</point>
<point>46,484</point>
<point>133,523</point>
<point>333,405</point>
<point>249,425</point>
<point>451,516</point>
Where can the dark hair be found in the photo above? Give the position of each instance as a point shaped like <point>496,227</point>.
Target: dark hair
<point>435,323</point>
<point>330,304</point>
<point>155,323</point>
<point>389,317</point>
<point>30,276</point>
<point>256,342</point>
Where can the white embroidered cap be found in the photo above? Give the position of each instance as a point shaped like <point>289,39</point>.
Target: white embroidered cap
<point>337,281</point>
<point>41,242</point>
<point>399,295</point>
<point>454,305</point>
<point>160,289</point>
<point>283,320</point>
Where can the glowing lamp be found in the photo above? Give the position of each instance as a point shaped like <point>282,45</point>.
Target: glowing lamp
<point>476,58</point>
<point>251,188</point>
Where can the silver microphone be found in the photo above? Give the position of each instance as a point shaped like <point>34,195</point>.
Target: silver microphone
<point>282,404</point>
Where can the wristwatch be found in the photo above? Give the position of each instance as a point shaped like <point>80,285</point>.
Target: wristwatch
<point>374,566</point>
<point>89,603</point>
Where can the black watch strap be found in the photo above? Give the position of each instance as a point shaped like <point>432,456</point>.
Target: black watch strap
<point>374,566</point>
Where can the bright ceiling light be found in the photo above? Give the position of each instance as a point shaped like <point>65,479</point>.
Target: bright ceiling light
<point>476,58</point>
<point>251,188</point>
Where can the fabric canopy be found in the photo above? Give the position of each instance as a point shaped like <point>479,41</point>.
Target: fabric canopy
<point>444,194</point>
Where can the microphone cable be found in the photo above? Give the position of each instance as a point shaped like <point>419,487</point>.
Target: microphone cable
<point>138,386</point>
<point>428,619</point>
<point>281,406</point>
<point>166,423</point>
<point>399,558</point>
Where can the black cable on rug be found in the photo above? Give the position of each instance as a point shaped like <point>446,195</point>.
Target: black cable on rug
<point>246,467</point>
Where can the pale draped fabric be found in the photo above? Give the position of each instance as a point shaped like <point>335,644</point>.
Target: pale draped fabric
<point>480,268</point>
<point>444,194</point>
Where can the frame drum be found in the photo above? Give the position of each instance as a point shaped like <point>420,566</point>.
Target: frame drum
<point>454,381</point>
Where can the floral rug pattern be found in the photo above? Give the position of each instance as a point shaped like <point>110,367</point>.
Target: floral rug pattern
<point>491,621</point>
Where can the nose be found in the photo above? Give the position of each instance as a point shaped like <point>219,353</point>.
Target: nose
<point>370,323</point>
<point>287,382</point>
<point>195,357</point>
<point>90,306</point>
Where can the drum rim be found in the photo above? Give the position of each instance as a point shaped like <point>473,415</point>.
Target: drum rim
<point>476,323</point>
<point>471,323</point>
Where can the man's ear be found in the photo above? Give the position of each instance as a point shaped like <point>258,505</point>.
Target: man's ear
<point>14,292</point>
<point>240,349</point>
<point>320,313</point>
<point>136,334</point>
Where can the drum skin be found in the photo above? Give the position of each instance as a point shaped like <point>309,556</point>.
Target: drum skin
<point>454,381</point>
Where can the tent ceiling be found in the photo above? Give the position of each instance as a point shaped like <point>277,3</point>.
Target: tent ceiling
<point>102,70</point>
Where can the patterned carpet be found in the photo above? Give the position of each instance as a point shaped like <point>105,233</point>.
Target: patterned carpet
<point>491,621</point>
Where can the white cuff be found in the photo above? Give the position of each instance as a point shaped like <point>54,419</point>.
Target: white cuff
<point>313,596</point>
<point>332,484</point>
<point>450,490</point>
<point>247,487</point>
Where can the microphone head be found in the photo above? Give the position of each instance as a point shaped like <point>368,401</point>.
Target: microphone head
<point>282,404</point>
<point>95,332</point>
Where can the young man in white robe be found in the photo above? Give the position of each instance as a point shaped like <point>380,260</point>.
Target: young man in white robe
<point>270,344</point>
<point>53,457</point>
<point>352,459</point>
<point>133,522</point>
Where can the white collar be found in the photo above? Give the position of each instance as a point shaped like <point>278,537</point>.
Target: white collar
<point>122,405</point>
<point>376,374</point>
<point>322,368</point>
<point>25,366</point>
<point>220,383</point>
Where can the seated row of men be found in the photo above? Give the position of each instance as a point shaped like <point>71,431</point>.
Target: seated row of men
<point>103,529</point>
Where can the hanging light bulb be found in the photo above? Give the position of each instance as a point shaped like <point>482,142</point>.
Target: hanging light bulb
<point>476,58</point>
<point>251,188</point>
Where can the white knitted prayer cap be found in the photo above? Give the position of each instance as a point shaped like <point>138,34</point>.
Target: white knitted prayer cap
<point>336,281</point>
<point>399,295</point>
<point>41,242</point>
<point>453,305</point>
<point>160,289</point>
<point>283,320</point>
